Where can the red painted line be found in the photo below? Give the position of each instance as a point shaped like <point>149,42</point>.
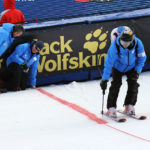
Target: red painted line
<point>75,107</point>
<point>85,112</point>
<point>132,135</point>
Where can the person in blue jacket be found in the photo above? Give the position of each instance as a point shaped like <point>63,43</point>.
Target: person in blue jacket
<point>7,34</point>
<point>25,58</point>
<point>126,56</point>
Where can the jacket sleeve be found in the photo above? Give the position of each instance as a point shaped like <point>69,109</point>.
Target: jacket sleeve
<point>111,57</point>
<point>33,71</point>
<point>3,19</point>
<point>141,57</point>
<point>22,18</point>
<point>3,43</point>
<point>31,61</point>
<point>16,55</point>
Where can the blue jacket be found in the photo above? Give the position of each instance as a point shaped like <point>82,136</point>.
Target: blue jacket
<point>126,60</point>
<point>22,54</point>
<point>5,37</point>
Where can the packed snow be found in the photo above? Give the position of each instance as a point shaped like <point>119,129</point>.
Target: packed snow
<point>30,120</point>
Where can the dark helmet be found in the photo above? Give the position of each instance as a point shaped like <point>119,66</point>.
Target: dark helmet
<point>127,35</point>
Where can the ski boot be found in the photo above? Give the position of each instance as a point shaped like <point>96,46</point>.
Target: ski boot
<point>129,110</point>
<point>112,112</point>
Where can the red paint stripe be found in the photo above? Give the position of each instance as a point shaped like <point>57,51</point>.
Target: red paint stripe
<point>91,116</point>
<point>132,135</point>
<point>75,107</point>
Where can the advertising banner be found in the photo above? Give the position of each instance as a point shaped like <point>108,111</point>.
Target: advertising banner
<point>72,49</point>
<point>80,48</point>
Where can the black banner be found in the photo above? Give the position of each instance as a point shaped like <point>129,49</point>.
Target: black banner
<point>72,49</point>
<point>78,48</point>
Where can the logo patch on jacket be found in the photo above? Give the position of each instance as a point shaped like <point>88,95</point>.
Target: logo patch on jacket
<point>34,58</point>
<point>25,55</point>
<point>133,51</point>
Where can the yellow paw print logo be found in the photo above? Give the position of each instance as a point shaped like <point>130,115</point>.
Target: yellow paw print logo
<point>99,43</point>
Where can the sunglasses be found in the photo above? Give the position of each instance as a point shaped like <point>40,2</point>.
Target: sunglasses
<point>37,49</point>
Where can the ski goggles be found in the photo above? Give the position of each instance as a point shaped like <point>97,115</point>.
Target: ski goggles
<point>125,43</point>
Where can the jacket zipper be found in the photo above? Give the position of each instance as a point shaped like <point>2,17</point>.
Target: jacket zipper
<point>128,63</point>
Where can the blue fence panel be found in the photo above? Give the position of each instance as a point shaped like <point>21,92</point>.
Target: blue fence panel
<point>56,9</point>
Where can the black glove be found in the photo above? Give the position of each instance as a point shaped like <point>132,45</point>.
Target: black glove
<point>25,67</point>
<point>103,85</point>
<point>135,75</point>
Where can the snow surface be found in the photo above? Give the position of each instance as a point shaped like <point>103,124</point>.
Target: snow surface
<point>30,120</point>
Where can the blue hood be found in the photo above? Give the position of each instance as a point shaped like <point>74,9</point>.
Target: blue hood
<point>8,27</point>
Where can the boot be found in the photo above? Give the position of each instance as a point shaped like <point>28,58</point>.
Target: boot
<point>129,110</point>
<point>112,112</point>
